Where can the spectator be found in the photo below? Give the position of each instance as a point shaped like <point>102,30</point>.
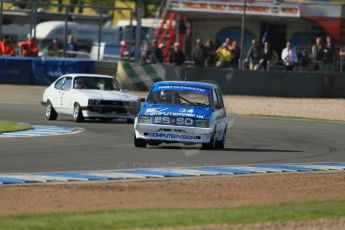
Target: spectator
<point>198,53</point>
<point>317,53</point>
<point>71,48</point>
<point>224,56</point>
<point>328,55</point>
<point>154,54</point>
<point>265,57</point>
<point>54,48</point>
<point>289,56</point>
<point>177,57</point>
<point>304,57</point>
<point>342,58</point>
<point>29,47</point>
<point>210,54</point>
<point>159,53</point>
<point>6,47</point>
<point>253,55</point>
<point>123,50</point>
<point>236,53</point>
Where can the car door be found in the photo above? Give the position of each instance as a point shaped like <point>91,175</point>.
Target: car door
<point>55,95</point>
<point>219,114</point>
<point>66,96</point>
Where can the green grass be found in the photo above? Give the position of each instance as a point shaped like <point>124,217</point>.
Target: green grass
<point>158,218</point>
<point>10,126</point>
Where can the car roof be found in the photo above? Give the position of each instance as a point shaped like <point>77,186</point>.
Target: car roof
<point>86,75</point>
<point>186,83</point>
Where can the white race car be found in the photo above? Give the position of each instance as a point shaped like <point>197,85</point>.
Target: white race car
<point>182,112</point>
<point>89,96</point>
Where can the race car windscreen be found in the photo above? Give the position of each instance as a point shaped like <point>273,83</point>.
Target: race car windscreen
<point>97,83</point>
<point>182,95</point>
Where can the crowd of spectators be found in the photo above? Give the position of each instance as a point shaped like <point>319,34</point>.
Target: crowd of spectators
<point>322,56</point>
<point>26,48</point>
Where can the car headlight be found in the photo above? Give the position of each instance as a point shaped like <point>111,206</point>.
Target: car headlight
<point>145,119</point>
<point>202,123</point>
<point>94,102</point>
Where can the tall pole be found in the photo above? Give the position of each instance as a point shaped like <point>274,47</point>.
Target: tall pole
<point>99,36</point>
<point>1,12</point>
<point>242,32</point>
<point>66,30</point>
<point>138,32</point>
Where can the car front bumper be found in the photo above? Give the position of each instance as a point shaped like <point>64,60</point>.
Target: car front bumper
<point>172,133</point>
<point>106,111</point>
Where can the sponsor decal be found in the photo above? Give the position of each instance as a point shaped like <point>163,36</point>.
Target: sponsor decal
<point>180,87</point>
<point>163,112</point>
<point>171,136</point>
<point>173,121</point>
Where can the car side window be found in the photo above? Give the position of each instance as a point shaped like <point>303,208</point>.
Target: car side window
<point>220,98</point>
<point>67,84</point>
<point>215,100</point>
<point>59,83</point>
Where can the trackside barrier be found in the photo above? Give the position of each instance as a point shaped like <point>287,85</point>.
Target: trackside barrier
<point>45,71</point>
<point>272,83</point>
<point>139,77</point>
<point>40,71</point>
<point>15,70</point>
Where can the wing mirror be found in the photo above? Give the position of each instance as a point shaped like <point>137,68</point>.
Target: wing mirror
<point>141,99</point>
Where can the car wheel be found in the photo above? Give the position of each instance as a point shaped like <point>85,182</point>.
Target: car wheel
<point>51,114</point>
<point>141,143</point>
<point>77,113</point>
<point>210,145</point>
<point>220,144</point>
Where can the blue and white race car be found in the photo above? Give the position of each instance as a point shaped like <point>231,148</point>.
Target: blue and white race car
<point>182,112</point>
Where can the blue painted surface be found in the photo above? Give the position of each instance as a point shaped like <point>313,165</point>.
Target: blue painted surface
<point>42,130</point>
<point>149,173</point>
<point>285,167</point>
<point>224,170</point>
<point>5,180</point>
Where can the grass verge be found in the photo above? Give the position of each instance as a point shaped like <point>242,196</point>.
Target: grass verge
<point>158,218</point>
<point>10,126</point>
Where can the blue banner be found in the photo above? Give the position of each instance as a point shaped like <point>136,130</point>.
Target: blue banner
<point>15,70</point>
<point>45,71</point>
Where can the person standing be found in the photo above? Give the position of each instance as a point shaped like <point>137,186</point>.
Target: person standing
<point>210,54</point>
<point>317,54</point>
<point>29,47</point>
<point>328,55</point>
<point>235,53</point>
<point>265,57</point>
<point>198,53</point>
<point>177,56</point>
<point>71,48</point>
<point>54,48</point>
<point>342,58</point>
<point>224,56</point>
<point>253,55</point>
<point>289,56</point>
<point>6,47</point>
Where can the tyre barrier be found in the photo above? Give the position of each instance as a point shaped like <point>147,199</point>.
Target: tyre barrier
<point>108,175</point>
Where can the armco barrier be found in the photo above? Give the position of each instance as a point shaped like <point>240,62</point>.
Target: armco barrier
<point>40,71</point>
<point>45,71</point>
<point>15,70</point>
<point>262,83</point>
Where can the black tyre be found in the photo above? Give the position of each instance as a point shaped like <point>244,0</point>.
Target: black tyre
<point>77,113</point>
<point>140,143</point>
<point>210,145</point>
<point>220,144</point>
<point>51,114</point>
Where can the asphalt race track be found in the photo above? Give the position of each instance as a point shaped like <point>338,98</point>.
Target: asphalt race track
<point>109,145</point>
